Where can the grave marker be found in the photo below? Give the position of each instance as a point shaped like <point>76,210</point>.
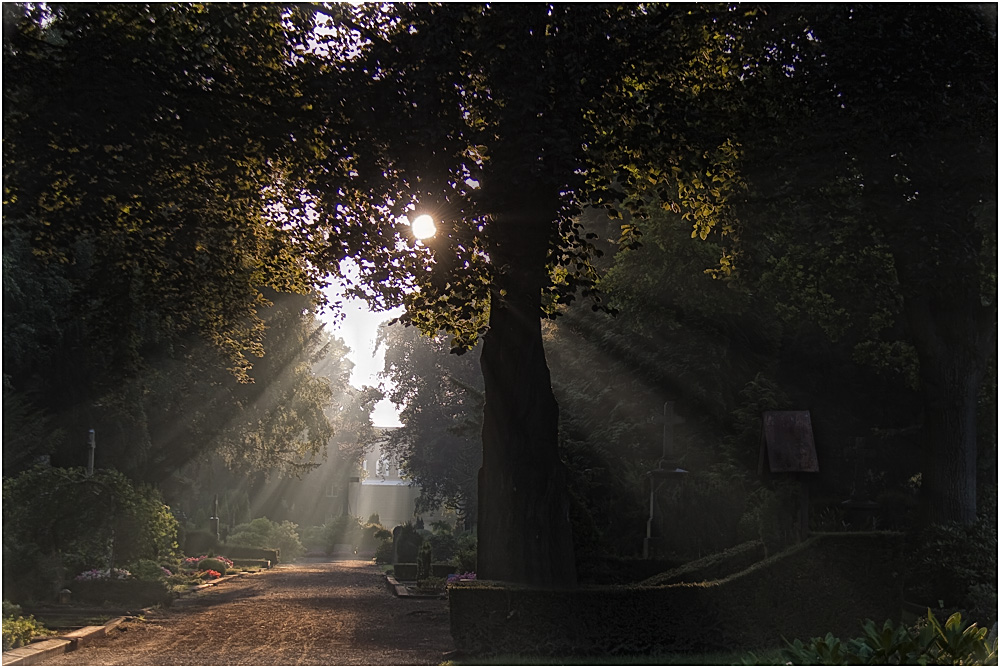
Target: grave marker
<point>666,469</point>
<point>787,448</point>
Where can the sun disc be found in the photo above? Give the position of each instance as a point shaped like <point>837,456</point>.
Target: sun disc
<point>423,227</point>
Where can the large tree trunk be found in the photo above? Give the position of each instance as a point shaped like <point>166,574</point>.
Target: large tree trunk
<point>524,526</point>
<point>950,339</point>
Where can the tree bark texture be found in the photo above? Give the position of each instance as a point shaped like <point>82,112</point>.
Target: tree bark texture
<point>949,339</point>
<point>936,248</point>
<point>524,530</point>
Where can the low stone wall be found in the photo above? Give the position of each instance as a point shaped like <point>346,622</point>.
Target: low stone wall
<point>831,582</point>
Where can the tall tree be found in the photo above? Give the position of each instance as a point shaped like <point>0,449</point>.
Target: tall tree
<point>477,115</point>
<point>501,122</point>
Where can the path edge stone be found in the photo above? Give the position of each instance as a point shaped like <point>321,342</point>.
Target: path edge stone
<point>402,591</point>
<point>38,651</point>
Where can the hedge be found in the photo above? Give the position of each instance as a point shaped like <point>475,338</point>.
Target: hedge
<point>128,592</point>
<point>828,583</point>
<point>242,552</point>
<point>408,572</point>
<point>610,570</point>
<point>714,566</point>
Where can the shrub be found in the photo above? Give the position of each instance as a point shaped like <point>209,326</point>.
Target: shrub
<point>147,569</point>
<point>373,534</point>
<point>383,553</point>
<point>199,542</point>
<point>424,557</point>
<point>444,544</point>
<point>213,564</point>
<point>952,643</point>
<point>340,531</point>
<point>19,630</point>
<point>263,533</point>
<point>956,565</point>
<point>313,538</point>
<point>769,517</point>
<point>700,513</point>
<point>77,524</point>
<point>464,558</point>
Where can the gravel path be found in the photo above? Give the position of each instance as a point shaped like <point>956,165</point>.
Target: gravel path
<point>332,613</point>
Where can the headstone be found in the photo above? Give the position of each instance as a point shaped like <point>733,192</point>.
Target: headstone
<point>787,448</point>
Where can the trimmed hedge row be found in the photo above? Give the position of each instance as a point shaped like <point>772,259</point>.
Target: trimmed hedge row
<point>714,566</point>
<point>408,572</point>
<point>828,583</point>
<point>609,570</point>
<point>242,552</point>
<point>127,592</point>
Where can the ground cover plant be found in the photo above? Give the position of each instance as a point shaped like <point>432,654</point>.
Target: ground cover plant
<point>930,642</point>
<point>19,629</point>
<point>770,657</point>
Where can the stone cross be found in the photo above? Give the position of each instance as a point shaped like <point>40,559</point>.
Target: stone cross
<point>670,420</point>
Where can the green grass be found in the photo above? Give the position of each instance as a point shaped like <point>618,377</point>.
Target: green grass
<point>770,657</point>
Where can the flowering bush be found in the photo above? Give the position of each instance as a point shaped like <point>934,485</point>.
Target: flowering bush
<point>456,577</point>
<point>104,574</point>
<point>148,570</point>
<point>191,563</point>
<point>210,574</point>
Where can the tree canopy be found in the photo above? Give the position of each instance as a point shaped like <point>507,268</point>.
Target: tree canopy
<point>152,250</point>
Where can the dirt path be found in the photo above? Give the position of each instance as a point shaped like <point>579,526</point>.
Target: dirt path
<point>334,613</point>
